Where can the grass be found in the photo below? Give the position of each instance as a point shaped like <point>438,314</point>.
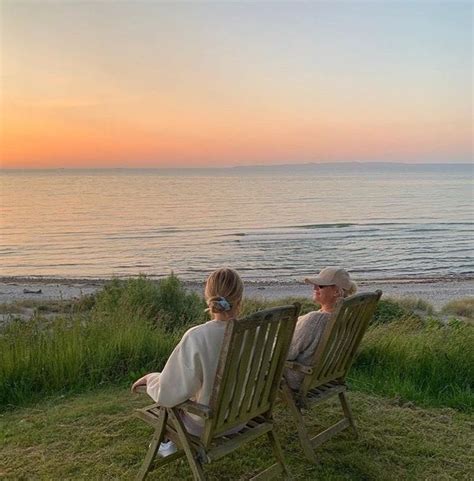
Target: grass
<point>165,304</point>
<point>431,364</point>
<point>130,329</point>
<point>32,306</point>
<point>131,326</point>
<point>416,305</point>
<point>65,408</point>
<point>95,436</point>
<point>70,355</point>
<point>460,307</point>
<point>389,310</point>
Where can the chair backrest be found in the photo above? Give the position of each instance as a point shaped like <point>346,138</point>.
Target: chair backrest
<point>250,368</point>
<point>340,339</point>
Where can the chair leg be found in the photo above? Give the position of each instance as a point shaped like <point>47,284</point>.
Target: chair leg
<point>346,407</point>
<point>305,440</point>
<point>278,453</point>
<point>153,448</point>
<point>191,455</point>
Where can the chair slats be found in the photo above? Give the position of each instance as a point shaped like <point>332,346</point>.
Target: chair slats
<point>270,382</point>
<point>257,353</point>
<point>359,325</point>
<point>242,373</point>
<point>233,361</point>
<point>345,336</point>
<point>264,370</point>
<point>329,367</point>
<point>249,371</point>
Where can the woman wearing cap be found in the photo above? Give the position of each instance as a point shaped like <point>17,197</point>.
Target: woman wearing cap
<point>190,370</point>
<point>330,285</point>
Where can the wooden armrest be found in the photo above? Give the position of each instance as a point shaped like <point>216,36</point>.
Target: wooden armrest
<point>196,408</point>
<point>296,366</point>
<point>190,406</point>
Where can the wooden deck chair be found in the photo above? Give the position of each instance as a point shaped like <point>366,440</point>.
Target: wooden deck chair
<point>326,373</point>
<point>249,373</point>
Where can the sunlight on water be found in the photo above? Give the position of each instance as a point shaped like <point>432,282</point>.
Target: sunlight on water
<point>271,226</point>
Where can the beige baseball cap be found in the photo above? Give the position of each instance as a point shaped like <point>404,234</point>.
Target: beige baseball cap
<point>331,276</point>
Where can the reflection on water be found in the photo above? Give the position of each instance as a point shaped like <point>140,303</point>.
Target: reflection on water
<point>271,226</point>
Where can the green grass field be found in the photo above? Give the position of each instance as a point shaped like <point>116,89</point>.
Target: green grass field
<point>66,413</point>
<point>94,435</point>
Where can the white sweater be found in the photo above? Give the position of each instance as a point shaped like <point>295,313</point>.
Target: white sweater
<point>190,371</point>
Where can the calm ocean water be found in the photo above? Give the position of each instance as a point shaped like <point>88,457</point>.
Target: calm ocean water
<point>380,222</point>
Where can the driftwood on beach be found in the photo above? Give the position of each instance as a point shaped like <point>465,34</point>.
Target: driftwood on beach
<point>32,291</point>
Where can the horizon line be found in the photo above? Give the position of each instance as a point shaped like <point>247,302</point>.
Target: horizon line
<point>250,166</point>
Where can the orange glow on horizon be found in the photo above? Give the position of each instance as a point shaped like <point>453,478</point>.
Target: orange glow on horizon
<point>174,134</point>
<point>204,85</point>
<point>54,144</point>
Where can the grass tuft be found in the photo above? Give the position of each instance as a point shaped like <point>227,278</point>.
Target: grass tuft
<point>460,307</point>
<point>416,306</point>
<point>389,310</point>
<point>165,304</point>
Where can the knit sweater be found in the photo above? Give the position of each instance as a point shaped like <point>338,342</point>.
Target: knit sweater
<point>190,371</point>
<point>306,337</point>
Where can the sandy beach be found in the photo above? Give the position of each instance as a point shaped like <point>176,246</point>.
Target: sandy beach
<point>436,291</point>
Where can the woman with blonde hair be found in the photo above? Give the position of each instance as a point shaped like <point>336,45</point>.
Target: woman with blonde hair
<point>191,368</point>
<point>330,285</point>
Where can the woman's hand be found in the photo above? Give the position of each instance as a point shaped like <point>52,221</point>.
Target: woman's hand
<point>140,384</point>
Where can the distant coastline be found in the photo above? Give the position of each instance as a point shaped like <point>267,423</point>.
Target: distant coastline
<point>264,168</point>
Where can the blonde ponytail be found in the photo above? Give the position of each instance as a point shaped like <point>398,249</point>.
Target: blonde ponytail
<point>351,291</point>
<point>224,290</point>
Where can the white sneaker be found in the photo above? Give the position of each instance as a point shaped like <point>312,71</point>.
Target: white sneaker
<point>166,449</point>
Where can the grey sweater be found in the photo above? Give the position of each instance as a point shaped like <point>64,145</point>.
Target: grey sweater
<point>306,337</point>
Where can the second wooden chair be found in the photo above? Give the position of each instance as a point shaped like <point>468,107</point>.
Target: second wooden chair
<point>326,375</point>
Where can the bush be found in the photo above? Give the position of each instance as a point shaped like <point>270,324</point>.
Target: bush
<point>165,304</point>
<point>461,307</point>
<point>416,306</point>
<point>389,310</point>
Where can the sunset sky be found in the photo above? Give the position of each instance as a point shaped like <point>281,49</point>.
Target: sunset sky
<point>151,84</point>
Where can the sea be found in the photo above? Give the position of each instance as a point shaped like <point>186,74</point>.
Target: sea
<point>272,224</point>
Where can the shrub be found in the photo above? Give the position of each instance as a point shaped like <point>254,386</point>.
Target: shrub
<point>178,308</point>
<point>84,303</point>
<point>389,310</point>
<point>165,303</point>
<point>416,305</point>
<point>461,307</point>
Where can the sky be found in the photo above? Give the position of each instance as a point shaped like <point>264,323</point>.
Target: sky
<point>174,84</point>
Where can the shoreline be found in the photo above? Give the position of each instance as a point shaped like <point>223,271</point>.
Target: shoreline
<point>436,291</point>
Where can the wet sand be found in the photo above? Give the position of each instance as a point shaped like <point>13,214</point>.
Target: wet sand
<point>435,291</point>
